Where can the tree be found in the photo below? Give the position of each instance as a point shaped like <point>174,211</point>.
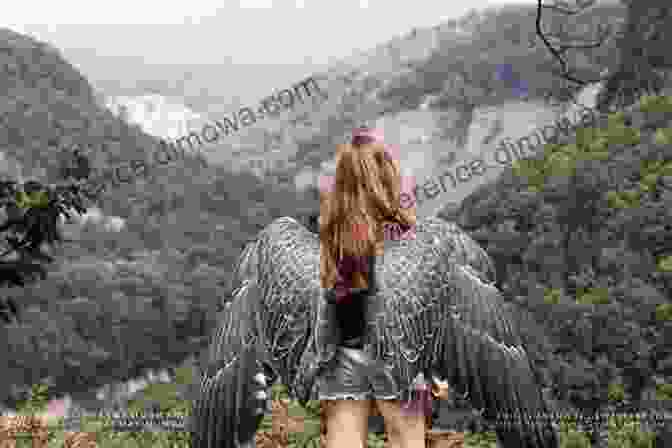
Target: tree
<point>642,52</point>
<point>641,47</point>
<point>32,213</point>
<point>77,167</point>
<point>560,42</point>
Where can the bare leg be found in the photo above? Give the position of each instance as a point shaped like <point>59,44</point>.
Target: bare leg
<point>347,423</point>
<point>403,431</point>
<point>393,440</point>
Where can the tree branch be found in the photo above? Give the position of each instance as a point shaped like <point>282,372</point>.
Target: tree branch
<point>581,6</point>
<point>603,34</point>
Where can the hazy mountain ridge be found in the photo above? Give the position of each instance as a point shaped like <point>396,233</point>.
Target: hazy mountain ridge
<point>95,308</point>
<point>157,115</point>
<point>393,80</point>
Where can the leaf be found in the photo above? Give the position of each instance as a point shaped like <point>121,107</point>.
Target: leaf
<point>650,179</point>
<point>665,264</point>
<point>599,155</point>
<point>631,195</point>
<point>664,312</point>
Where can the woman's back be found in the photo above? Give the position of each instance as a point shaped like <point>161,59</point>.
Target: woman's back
<point>350,301</point>
<point>356,204</point>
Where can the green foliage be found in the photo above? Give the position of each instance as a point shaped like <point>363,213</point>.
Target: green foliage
<point>534,170</point>
<point>312,408</point>
<point>664,391</point>
<point>165,395</point>
<point>552,296</point>
<point>571,438</point>
<point>665,264</point>
<point>36,199</point>
<point>664,312</point>
<point>108,437</point>
<point>36,402</point>
<point>650,173</point>
<point>279,392</point>
<point>480,439</point>
<point>561,160</point>
<point>587,296</point>
<point>625,432</point>
<point>594,296</point>
<point>375,440</point>
<point>622,134</point>
<point>663,136</point>
<point>567,423</point>
<point>184,375</point>
<point>624,199</point>
<point>615,119</point>
<point>549,243</point>
<point>653,103</point>
<point>616,392</point>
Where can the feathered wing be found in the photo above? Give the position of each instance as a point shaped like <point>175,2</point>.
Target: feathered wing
<point>438,311</point>
<point>267,322</point>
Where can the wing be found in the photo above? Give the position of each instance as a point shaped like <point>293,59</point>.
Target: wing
<point>441,313</point>
<point>267,323</point>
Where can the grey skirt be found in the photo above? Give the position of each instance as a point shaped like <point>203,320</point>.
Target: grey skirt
<point>353,375</point>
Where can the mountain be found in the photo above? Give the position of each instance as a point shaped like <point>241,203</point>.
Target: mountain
<point>436,93</point>
<point>99,319</point>
<point>580,237</point>
<point>205,88</point>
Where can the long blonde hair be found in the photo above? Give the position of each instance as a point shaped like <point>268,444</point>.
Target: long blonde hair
<point>366,194</point>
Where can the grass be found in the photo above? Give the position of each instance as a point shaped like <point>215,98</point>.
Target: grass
<point>291,425</point>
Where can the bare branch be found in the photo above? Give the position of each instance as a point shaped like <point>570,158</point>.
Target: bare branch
<point>560,48</point>
<point>565,9</point>
<point>603,35</point>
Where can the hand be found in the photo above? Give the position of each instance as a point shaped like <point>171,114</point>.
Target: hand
<point>260,402</point>
<point>440,390</point>
<point>261,396</point>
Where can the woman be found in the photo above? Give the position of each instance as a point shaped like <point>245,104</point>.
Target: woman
<point>354,219</point>
<point>337,321</point>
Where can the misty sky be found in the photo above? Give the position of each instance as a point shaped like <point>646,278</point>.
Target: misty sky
<point>241,32</point>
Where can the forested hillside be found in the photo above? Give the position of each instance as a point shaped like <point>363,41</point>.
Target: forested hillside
<point>459,74</point>
<point>582,239</point>
<point>116,302</point>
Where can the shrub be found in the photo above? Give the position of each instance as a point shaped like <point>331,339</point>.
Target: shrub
<point>664,312</point>
<point>552,296</point>
<point>624,432</point>
<point>594,296</point>
<point>616,392</point>
<point>664,391</point>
